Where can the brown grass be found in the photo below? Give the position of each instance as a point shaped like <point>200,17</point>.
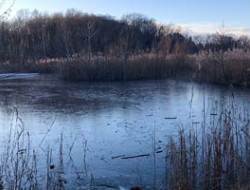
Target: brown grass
<point>231,67</point>
<point>134,68</point>
<point>211,157</point>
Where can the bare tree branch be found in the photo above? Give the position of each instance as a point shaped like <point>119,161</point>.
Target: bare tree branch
<point>5,8</point>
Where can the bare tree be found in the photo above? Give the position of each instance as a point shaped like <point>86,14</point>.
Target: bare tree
<point>5,8</point>
<point>91,32</point>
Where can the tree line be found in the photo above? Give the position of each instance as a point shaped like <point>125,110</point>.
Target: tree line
<point>37,36</point>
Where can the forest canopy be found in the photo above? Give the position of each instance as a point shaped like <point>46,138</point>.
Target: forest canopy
<point>34,35</point>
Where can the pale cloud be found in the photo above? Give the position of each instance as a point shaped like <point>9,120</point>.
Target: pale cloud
<point>211,28</point>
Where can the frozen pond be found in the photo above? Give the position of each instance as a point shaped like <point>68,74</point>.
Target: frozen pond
<point>109,129</point>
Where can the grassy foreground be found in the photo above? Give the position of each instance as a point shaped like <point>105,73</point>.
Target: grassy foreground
<point>212,154</point>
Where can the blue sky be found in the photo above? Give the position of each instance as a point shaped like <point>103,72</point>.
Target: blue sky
<point>191,14</point>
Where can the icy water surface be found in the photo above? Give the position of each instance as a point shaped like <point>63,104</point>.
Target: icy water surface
<point>108,129</point>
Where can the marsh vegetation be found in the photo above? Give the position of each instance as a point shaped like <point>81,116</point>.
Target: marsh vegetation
<point>62,130</point>
<point>86,47</point>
